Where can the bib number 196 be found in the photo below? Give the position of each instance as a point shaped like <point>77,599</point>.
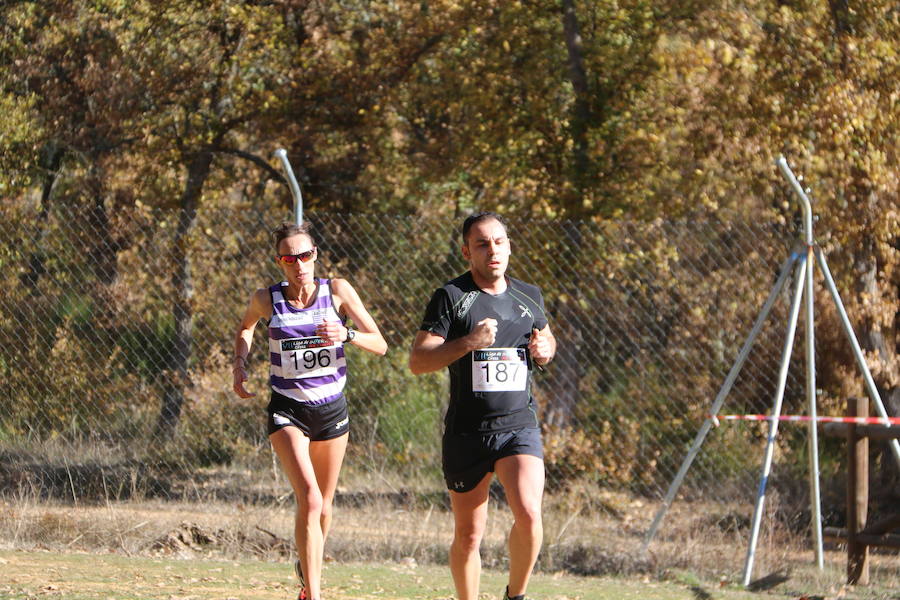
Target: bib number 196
<point>307,357</point>
<point>499,370</point>
<point>311,359</point>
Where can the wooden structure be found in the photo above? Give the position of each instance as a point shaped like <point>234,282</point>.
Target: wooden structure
<point>857,534</point>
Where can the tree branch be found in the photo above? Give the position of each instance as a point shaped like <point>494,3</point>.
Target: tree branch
<point>257,160</point>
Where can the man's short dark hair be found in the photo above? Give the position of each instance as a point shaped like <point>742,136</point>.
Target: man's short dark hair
<point>477,218</point>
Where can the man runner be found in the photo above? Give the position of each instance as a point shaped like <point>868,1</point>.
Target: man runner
<point>489,330</point>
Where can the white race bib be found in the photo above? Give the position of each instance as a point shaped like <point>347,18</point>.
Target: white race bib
<point>499,370</point>
<point>307,357</point>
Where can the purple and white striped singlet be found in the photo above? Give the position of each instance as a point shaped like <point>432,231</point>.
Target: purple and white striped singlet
<point>305,367</point>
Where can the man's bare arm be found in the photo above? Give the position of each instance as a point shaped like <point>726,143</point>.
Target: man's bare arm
<point>431,352</point>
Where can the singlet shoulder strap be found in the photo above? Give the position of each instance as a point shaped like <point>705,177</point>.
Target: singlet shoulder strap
<point>276,287</point>
<point>326,289</point>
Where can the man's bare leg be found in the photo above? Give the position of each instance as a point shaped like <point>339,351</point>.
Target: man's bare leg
<point>522,477</point>
<point>470,519</point>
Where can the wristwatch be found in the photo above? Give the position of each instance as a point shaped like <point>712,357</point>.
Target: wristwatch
<point>350,335</point>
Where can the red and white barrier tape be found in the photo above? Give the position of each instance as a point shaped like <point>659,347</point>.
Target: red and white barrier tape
<point>857,420</point>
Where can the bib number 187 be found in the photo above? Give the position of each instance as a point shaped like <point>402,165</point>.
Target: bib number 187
<point>499,370</point>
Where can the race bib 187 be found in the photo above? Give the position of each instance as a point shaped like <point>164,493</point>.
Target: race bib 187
<point>307,357</point>
<point>499,370</point>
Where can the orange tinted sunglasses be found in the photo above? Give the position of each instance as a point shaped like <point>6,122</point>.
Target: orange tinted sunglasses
<point>290,259</point>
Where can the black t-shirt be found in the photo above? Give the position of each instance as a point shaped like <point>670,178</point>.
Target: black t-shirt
<point>490,389</point>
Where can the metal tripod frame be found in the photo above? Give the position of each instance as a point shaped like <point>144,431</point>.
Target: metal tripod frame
<point>802,259</point>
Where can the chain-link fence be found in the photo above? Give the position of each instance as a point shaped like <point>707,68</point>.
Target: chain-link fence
<point>117,331</point>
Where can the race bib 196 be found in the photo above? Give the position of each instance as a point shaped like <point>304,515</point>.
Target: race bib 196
<point>499,370</point>
<point>307,357</point>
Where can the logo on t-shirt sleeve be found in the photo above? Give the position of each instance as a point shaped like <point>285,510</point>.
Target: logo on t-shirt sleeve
<point>465,304</point>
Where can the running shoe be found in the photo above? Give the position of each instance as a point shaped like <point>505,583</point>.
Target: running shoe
<point>506,596</point>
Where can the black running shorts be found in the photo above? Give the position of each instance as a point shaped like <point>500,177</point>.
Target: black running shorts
<point>468,458</point>
<point>318,422</point>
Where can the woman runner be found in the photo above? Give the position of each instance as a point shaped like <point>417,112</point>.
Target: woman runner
<point>307,412</point>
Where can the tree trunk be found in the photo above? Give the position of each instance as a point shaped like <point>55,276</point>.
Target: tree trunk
<point>877,341</point>
<point>840,17</point>
<point>888,478</point>
<point>50,162</point>
<point>582,113</point>
<point>176,380</point>
<point>104,249</point>
<point>567,370</point>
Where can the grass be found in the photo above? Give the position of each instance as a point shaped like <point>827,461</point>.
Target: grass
<point>82,576</point>
<point>390,548</point>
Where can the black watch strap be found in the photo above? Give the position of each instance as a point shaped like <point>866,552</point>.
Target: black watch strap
<point>350,335</point>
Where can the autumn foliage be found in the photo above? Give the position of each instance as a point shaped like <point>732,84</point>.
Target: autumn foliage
<point>127,129</point>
